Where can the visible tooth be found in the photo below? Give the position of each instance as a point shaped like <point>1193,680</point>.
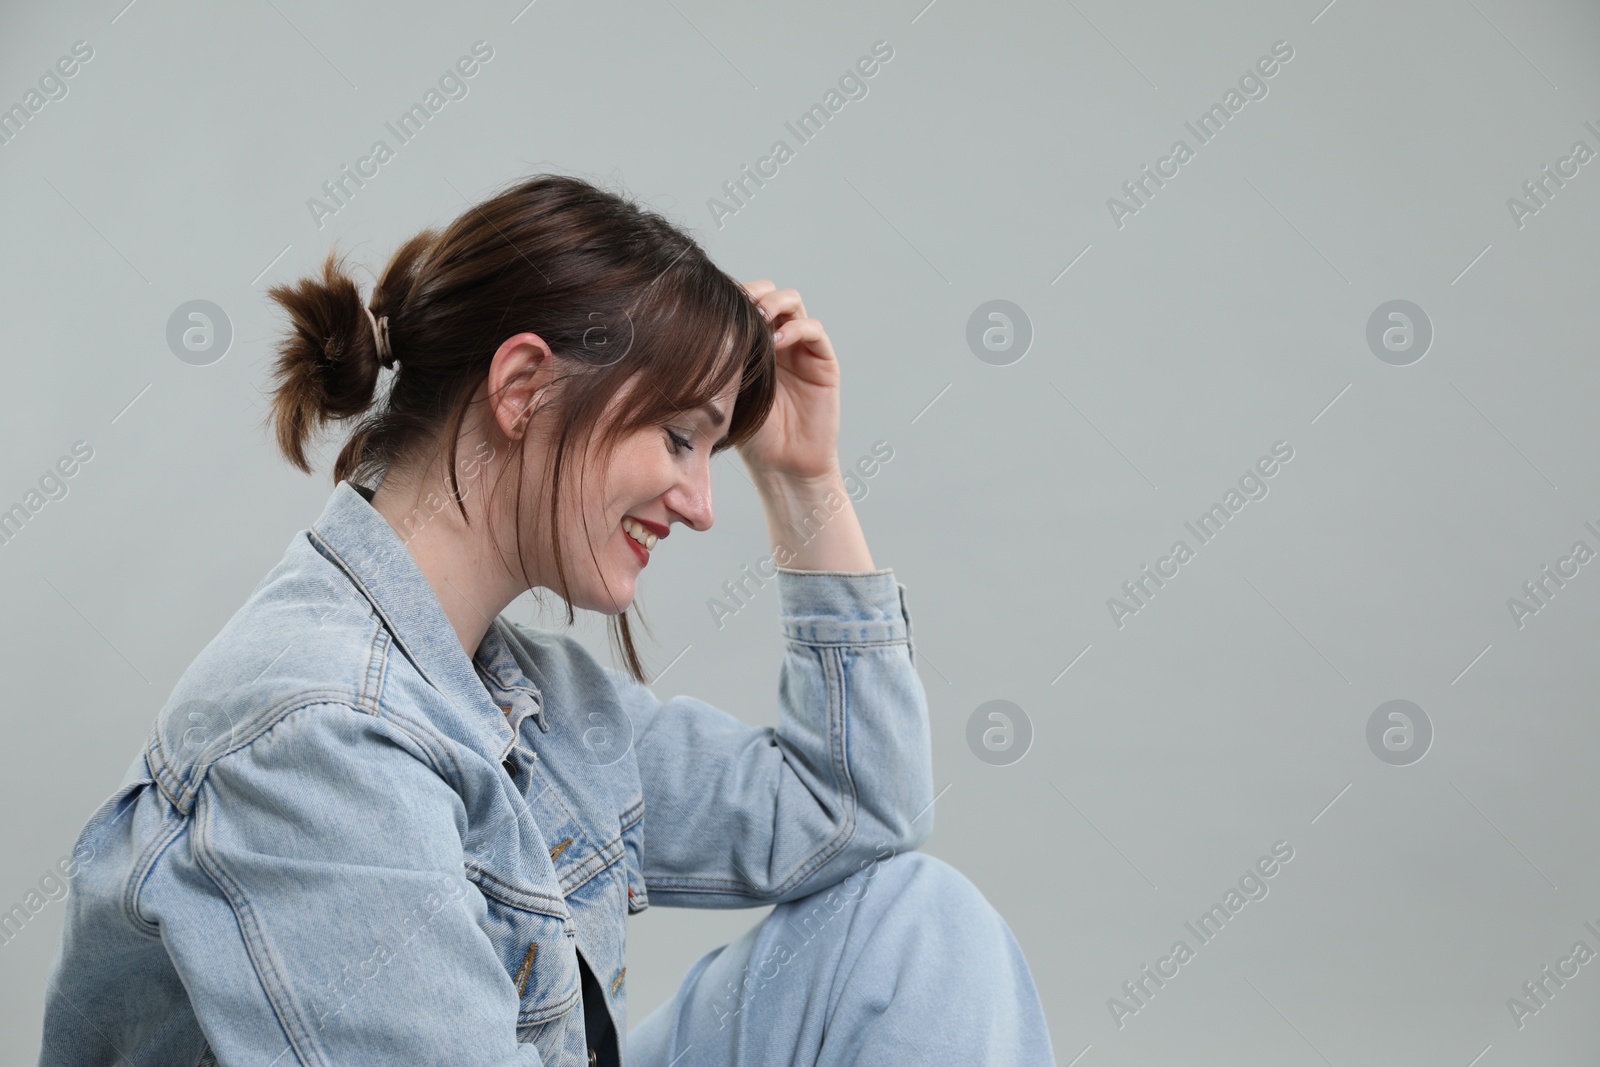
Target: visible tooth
<point>639,533</point>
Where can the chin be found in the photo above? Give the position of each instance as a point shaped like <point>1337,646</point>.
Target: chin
<point>614,603</point>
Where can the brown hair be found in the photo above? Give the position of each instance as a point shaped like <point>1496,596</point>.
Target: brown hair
<point>618,292</point>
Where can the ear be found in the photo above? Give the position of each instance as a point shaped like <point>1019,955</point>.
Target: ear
<point>520,372</point>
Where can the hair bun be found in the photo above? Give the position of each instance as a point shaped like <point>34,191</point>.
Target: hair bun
<point>328,361</point>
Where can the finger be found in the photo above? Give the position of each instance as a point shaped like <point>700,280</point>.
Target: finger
<point>759,288</point>
<point>781,305</point>
<point>804,330</point>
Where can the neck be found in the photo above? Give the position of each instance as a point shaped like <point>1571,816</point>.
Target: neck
<point>471,582</point>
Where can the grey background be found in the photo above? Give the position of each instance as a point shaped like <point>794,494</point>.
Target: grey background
<point>1228,314</point>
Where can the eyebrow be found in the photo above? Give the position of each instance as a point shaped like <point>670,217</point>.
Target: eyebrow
<point>716,416</point>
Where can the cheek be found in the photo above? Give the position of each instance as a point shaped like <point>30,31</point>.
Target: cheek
<point>640,475</point>
<point>604,528</point>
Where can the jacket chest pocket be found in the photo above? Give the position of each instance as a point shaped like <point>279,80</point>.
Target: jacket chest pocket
<point>538,945</point>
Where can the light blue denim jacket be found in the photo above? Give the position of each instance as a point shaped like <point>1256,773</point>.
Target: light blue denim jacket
<point>346,843</point>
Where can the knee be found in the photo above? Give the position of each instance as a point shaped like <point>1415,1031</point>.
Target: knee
<point>920,900</point>
<point>929,887</point>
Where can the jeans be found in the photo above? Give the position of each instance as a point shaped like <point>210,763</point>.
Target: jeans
<point>904,962</point>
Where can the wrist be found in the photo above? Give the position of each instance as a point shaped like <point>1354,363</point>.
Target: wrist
<point>812,523</point>
<point>789,499</point>
<point>790,485</point>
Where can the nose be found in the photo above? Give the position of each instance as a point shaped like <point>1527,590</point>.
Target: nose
<point>690,497</point>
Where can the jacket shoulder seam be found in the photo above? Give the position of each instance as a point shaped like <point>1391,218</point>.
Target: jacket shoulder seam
<point>181,794</point>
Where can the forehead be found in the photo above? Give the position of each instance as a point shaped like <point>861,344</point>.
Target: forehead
<point>729,362</point>
<point>730,392</point>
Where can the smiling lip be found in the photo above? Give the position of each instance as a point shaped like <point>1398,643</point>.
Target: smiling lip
<point>641,553</point>
<point>654,527</point>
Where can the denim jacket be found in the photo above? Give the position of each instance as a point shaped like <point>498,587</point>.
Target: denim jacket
<point>347,843</point>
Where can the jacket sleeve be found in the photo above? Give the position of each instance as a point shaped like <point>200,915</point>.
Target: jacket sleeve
<point>318,909</point>
<point>743,816</point>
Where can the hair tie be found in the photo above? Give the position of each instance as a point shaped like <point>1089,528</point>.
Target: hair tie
<point>380,335</point>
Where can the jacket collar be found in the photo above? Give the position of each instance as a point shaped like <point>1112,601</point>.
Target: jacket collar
<point>357,538</point>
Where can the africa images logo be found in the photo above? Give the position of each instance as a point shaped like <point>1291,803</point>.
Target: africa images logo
<point>1206,128</point>
<point>1252,886</point>
<point>1252,486</point>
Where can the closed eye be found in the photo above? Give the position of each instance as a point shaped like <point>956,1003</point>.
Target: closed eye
<point>679,443</point>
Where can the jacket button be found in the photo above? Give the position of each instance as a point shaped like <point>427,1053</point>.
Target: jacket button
<point>511,768</point>
<point>594,1058</point>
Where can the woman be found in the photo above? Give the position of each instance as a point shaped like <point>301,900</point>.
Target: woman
<point>379,823</point>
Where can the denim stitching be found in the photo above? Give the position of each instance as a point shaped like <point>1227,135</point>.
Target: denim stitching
<point>377,661</point>
<point>596,863</point>
<point>905,615</point>
<point>842,642</point>
<point>514,896</point>
<point>633,814</point>
<point>838,724</point>
<point>838,721</point>
<point>546,1012</point>
<point>580,873</point>
<point>441,760</point>
<point>266,967</point>
<point>332,554</point>
<point>142,872</point>
<point>186,793</point>
<point>637,900</point>
<point>548,1009</point>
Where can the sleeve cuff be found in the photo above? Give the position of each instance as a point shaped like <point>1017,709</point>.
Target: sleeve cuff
<point>841,607</point>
